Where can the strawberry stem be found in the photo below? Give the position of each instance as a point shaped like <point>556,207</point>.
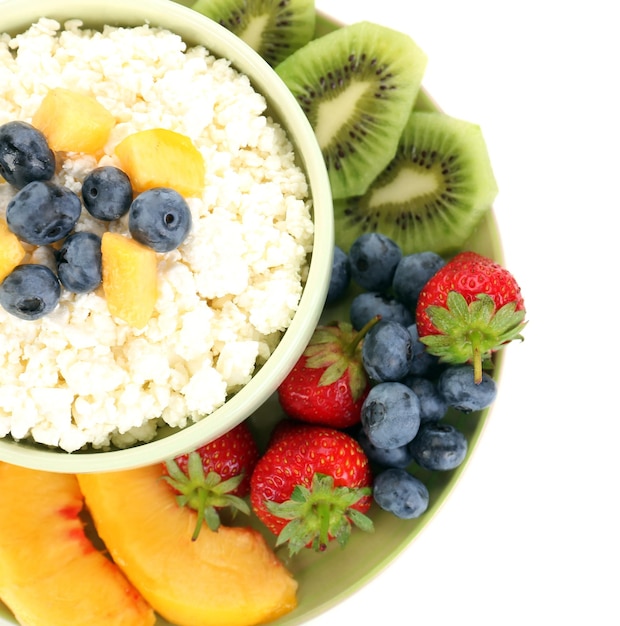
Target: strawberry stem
<point>476,339</point>
<point>360,334</point>
<point>323,510</point>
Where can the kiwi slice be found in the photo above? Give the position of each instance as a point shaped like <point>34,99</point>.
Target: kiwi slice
<point>432,194</point>
<point>274,28</point>
<point>357,86</point>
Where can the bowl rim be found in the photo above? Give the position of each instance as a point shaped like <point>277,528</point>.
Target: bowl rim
<point>196,29</point>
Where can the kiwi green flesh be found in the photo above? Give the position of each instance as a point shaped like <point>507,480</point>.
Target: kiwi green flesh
<point>357,86</point>
<point>273,28</point>
<point>432,194</point>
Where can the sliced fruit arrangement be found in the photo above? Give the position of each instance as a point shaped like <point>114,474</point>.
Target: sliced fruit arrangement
<point>228,577</point>
<point>50,571</point>
<point>274,28</point>
<point>366,413</point>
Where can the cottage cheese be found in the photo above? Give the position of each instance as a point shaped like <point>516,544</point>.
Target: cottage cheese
<point>79,377</point>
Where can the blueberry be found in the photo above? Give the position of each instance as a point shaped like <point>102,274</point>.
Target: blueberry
<point>30,291</point>
<point>107,193</point>
<point>422,363</point>
<point>400,493</point>
<point>79,262</point>
<point>433,406</point>
<point>160,218</point>
<point>438,446</point>
<point>390,415</point>
<point>456,384</point>
<point>340,276</point>
<point>25,155</point>
<point>373,258</point>
<point>412,273</point>
<point>386,457</point>
<point>369,304</point>
<point>43,212</point>
<point>387,351</point>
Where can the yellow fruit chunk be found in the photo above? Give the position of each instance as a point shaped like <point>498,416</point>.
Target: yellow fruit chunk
<point>162,158</point>
<point>73,122</point>
<point>129,273</point>
<point>11,250</point>
<point>229,577</point>
<point>51,574</point>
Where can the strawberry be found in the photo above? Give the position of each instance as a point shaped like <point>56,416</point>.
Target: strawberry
<point>215,476</point>
<point>311,486</point>
<point>469,309</point>
<point>328,384</point>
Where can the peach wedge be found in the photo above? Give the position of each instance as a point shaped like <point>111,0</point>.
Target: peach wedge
<point>230,577</point>
<point>73,122</point>
<point>51,574</point>
<point>158,157</point>
<point>11,250</point>
<point>129,272</point>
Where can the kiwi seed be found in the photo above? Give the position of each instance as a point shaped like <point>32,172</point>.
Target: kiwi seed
<point>432,194</point>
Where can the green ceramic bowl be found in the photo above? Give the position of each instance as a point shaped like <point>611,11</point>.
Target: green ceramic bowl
<point>17,16</point>
<point>328,578</point>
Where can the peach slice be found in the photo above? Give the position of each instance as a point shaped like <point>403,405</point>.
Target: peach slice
<point>50,571</point>
<point>11,250</point>
<point>129,278</point>
<point>230,577</point>
<point>73,122</point>
<point>162,158</point>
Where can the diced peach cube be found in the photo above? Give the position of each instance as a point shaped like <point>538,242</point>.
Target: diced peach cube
<point>129,278</point>
<point>73,122</point>
<point>162,158</point>
<point>11,251</point>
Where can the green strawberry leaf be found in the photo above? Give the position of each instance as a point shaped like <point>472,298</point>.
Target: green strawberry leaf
<point>472,333</point>
<point>320,513</point>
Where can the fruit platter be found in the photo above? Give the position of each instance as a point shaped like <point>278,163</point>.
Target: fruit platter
<point>313,495</point>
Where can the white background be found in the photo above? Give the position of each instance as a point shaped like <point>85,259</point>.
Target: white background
<point>530,534</point>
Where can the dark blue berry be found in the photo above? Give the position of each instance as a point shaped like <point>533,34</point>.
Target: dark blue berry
<point>369,304</point>
<point>340,276</point>
<point>107,193</point>
<point>390,415</point>
<point>160,218</point>
<point>433,405</point>
<point>25,155</point>
<point>79,262</point>
<point>438,446</point>
<point>387,351</point>
<point>30,291</point>
<point>400,493</point>
<point>412,273</point>
<point>373,258</point>
<point>423,363</point>
<point>386,457</point>
<point>43,212</point>
<point>457,385</point>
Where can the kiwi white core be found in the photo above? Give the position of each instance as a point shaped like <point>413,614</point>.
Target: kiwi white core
<point>329,114</point>
<point>253,32</point>
<point>408,184</point>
